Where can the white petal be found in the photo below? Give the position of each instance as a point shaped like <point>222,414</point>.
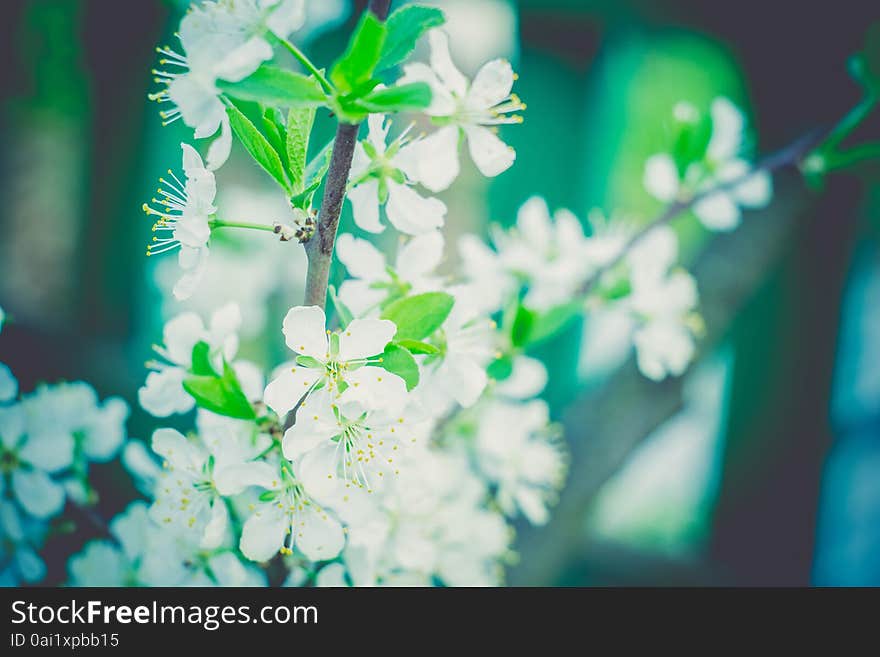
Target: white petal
<point>263,534</point>
<point>243,60</point>
<point>533,223</point>
<point>48,451</point>
<point>162,394</point>
<point>192,230</point>
<point>491,155</point>
<point>305,333</point>
<point>319,535</point>
<point>194,263</point>
<point>433,161</point>
<point>365,206</point>
<point>331,576</point>
<point>215,530</point>
<point>234,479</point>
<point>225,322</point>
<point>463,380</point>
<point>528,378</point>
<point>107,430</point>
<point>180,335</point>
<point>359,297</point>
<point>37,493</point>
<point>199,106</point>
<point>283,393</point>
<point>364,338</point>
<point>12,425</point>
<point>411,213</point>
<point>288,16</point>
<point>376,388</point>
<point>173,446</point>
<point>492,84</point>
<point>192,161</point>
<point>218,151</point>
<point>442,102</point>
<point>717,211</point>
<point>250,376</point>
<point>420,256</point>
<point>728,123</point>
<point>317,470</point>
<point>441,62</point>
<point>755,191</point>
<point>661,177</point>
<point>361,259</point>
<point>377,132</point>
<point>315,423</point>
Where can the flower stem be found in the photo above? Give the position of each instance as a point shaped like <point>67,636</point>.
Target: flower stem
<point>319,248</point>
<point>305,61</point>
<point>217,223</point>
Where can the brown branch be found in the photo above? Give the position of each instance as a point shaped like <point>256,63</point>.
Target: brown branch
<point>319,249</point>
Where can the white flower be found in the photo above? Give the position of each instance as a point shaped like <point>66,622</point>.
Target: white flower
<point>163,394</point>
<point>722,166</point>
<point>517,453</point>
<point>380,175</point>
<point>527,379</point>
<point>189,495</point>
<point>663,302</point>
<point>184,214</point>
<point>287,518</point>
<point>221,41</point>
<point>549,255</point>
<point>346,443</point>
<point>374,281</point>
<point>29,458</point>
<point>20,537</point>
<point>331,360</point>
<point>466,343</point>
<point>471,109</point>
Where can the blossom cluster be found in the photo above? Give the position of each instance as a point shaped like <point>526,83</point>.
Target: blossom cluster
<point>405,430</point>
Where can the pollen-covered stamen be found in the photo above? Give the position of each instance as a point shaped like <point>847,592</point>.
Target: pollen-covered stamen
<point>168,208</point>
<point>180,63</point>
<point>367,454</point>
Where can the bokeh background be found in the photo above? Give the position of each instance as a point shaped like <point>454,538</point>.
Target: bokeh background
<point>760,466</point>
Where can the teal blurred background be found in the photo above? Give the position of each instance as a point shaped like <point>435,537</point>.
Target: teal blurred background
<point>759,466</point>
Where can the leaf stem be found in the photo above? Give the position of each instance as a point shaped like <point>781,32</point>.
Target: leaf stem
<point>218,223</point>
<point>305,61</point>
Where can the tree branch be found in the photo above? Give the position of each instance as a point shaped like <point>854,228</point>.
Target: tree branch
<point>319,249</point>
<point>789,155</point>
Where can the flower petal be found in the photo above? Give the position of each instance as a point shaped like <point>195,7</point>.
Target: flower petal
<point>411,213</point>
<point>319,536</point>
<point>194,263</point>
<point>492,84</point>
<point>420,256</point>
<point>661,177</point>
<point>315,423</point>
<point>283,393</point>
<point>361,258</point>
<point>717,211</point>
<point>442,102</point>
<point>179,452</point>
<point>433,160</point>
<point>305,333</point>
<point>363,338</point>
<point>359,296</point>
<point>365,205</point>
<point>48,451</point>
<point>263,533</point>
<point>441,62</point>
<point>218,151</point>
<point>376,388</point>
<point>162,393</point>
<point>215,530</point>
<point>491,155</point>
<point>235,478</point>
<point>243,60</point>
<point>728,124</point>
<point>37,493</point>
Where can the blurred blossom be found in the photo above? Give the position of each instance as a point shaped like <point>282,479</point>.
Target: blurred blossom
<point>480,30</point>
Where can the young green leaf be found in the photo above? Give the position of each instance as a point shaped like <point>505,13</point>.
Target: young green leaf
<point>550,323</point>
<point>354,70</point>
<point>400,98</point>
<point>416,347</point>
<point>221,395</point>
<point>500,368</point>
<point>271,85</point>
<point>314,175</point>
<point>521,329</point>
<point>276,133</point>
<point>201,360</point>
<point>299,128</point>
<point>405,26</point>
<point>399,361</point>
<point>257,145</point>
<point>419,316</point>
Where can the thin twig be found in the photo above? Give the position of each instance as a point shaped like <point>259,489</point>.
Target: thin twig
<point>789,155</point>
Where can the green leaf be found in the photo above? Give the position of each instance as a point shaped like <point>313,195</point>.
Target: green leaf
<point>416,347</point>
<point>276,133</point>
<point>521,328</point>
<point>354,70</point>
<point>220,394</point>
<point>500,368</point>
<point>271,85</point>
<point>314,175</point>
<point>201,360</point>
<point>257,145</point>
<point>299,128</point>
<point>405,26</point>
<point>419,316</point>
<point>548,324</point>
<point>400,98</point>
<point>399,361</point>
